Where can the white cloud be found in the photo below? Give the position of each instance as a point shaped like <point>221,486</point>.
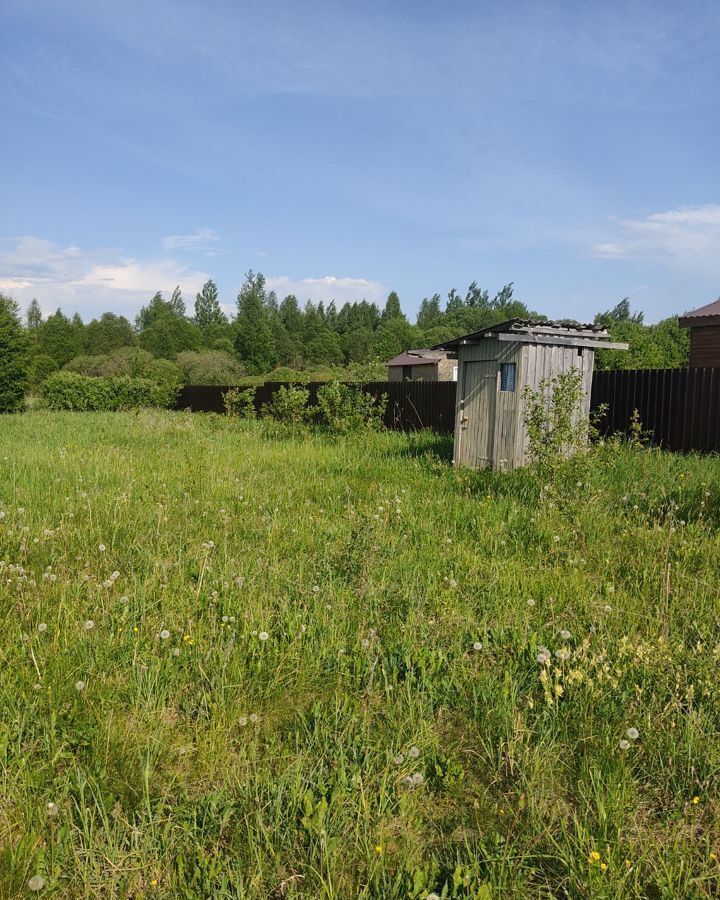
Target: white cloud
<point>205,240</point>
<point>327,288</point>
<point>688,237</point>
<point>87,281</point>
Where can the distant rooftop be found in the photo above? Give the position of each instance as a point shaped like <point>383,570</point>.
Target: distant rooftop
<point>415,358</point>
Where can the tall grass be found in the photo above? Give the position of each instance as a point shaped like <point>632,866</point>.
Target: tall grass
<point>335,667</point>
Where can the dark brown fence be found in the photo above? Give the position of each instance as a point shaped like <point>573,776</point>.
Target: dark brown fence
<point>411,405</point>
<point>679,407</point>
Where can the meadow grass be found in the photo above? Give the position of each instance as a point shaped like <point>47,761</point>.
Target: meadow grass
<point>243,662</point>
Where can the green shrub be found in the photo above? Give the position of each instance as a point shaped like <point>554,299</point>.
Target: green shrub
<point>239,403</point>
<point>288,405</point>
<point>84,393</point>
<point>344,408</point>
<point>40,368</point>
<point>556,421</point>
<point>209,367</point>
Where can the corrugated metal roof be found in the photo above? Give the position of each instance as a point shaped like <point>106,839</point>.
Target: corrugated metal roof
<point>560,328</point>
<point>709,311</point>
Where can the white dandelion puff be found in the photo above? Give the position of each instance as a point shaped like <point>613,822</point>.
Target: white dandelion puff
<point>562,654</point>
<point>414,752</point>
<point>108,583</point>
<point>531,602</point>
<point>52,809</point>
<point>263,635</point>
<point>624,744</point>
<point>36,883</point>
<point>418,778</point>
<point>176,651</point>
<point>477,645</point>
<point>399,759</point>
<point>242,721</point>
<point>164,634</point>
<point>565,634</point>
<point>102,548</point>
<point>79,685</point>
<point>88,625</point>
<point>253,717</point>
<point>42,627</point>
<point>633,734</point>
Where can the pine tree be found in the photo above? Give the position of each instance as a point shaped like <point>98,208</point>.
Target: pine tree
<point>33,314</point>
<point>254,339</point>
<point>208,313</point>
<point>392,308</point>
<point>13,357</point>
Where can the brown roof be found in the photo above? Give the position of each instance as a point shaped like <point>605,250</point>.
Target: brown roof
<point>709,312</point>
<point>414,358</point>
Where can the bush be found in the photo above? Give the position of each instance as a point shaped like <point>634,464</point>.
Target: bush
<point>13,359</point>
<point>556,422</point>
<point>134,363</point>
<point>239,403</point>
<point>40,368</point>
<point>209,367</point>
<point>84,393</point>
<point>344,408</point>
<point>288,405</point>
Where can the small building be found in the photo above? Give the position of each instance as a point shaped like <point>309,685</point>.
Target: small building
<point>423,365</point>
<point>496,364</point>
<point>704,325</point>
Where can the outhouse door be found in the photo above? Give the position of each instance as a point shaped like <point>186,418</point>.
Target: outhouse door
<point>476,413</point>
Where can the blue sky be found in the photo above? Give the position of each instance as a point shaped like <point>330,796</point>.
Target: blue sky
<point>347,149</point>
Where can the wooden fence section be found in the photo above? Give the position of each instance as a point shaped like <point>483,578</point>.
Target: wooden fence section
<point>411,405</point>
<point>680,408</point>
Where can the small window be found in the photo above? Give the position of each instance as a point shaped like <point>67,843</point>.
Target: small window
<point>407,373</point>
<point>507,376</point>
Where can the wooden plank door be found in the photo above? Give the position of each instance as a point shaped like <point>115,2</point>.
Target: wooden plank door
<point>476,414</point>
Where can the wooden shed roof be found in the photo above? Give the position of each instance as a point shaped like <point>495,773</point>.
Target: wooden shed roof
<point>703,315</point>
<point>538,332</point>
<point>415,358</point>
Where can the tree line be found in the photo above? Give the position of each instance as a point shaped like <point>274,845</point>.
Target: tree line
<point>266,334</point>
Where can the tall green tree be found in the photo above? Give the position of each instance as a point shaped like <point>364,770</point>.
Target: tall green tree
<point>392,309</point>
<point>108,333</point>
<point>208,313</point>
<point>13,357</point>
<point>33,316</point>
<point>254,341</point>
<point>58,337</point>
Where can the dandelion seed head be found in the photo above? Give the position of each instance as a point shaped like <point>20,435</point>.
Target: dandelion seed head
<point>565,634</point>
<point>102,548</point>
<point>42,627</point>
<point>414,752</point>
<point>253,717</point>
<point>624,745</point>
<point>52,809</point>
<point>418,778</point>
<point>633,734</point>
<point>79,685</point>
<point>242,721</point>
<point>88,625</point>
<point>164,634</point>
<point>477,645</point>
<point>107,583</point>
<point>399,759</point>
<point>531,602</point>
<point>176,651</point>
<point>263,635</point>
<point>36,883</point>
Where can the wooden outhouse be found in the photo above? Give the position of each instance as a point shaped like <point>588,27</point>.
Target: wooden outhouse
<point>495,365</point>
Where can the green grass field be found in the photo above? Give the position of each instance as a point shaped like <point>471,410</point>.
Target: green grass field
<point>238,662</point>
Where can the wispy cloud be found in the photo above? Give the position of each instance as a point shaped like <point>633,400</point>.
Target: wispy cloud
<point>328,287</point>
<point>685,237</point>
<point>87,281</point>
<point>204,240</point>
